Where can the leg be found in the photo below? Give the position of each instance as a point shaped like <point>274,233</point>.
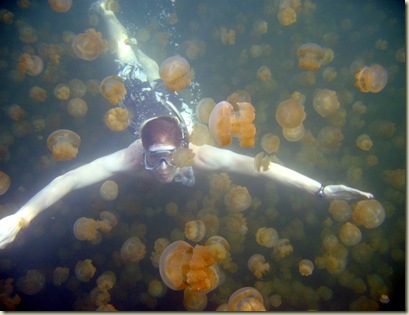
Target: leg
<point>127,52</point>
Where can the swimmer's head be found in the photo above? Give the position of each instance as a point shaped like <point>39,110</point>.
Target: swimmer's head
<point>161,136</point>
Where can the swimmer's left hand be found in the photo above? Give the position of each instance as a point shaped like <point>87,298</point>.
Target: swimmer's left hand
<point>344,192</point>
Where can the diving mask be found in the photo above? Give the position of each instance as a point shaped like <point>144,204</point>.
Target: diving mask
<point>152,159</point>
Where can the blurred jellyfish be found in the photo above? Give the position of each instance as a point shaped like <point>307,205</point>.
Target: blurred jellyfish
<point>257,265</point>
<point>175,73</point>
<point>113,89</point>
<point>133,250</point>
<point>237,199</point>
<point>369,213</point>
<point>246,299</point>
<point>267,237</point>
<point>32,283</point>
<point>109,190</point>
<point>4,183</point>
<point>117,119</point>
<point>195,230</point>
<point>64,144</point>
<point>305,267</point>
<point>350,234</point>
<point>84,270</point>
<point>77,107</point>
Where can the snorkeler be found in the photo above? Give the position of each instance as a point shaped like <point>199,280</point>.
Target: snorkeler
<point>159,137</point>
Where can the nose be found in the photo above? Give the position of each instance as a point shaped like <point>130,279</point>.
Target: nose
<point>163,165</point>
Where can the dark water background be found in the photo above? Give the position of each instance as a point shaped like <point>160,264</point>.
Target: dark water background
<point>350,28</point>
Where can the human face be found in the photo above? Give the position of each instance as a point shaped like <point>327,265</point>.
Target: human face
<point>158,160</point>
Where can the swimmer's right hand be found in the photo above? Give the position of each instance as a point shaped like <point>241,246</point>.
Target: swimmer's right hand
<point>9,227</point>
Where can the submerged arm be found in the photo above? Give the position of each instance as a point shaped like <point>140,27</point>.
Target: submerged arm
<point>82,176</point>
<point>212,158</point>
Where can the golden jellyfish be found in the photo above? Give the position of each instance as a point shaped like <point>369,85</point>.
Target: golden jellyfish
<point>195,230</point>
<point>330,137</point>
<point>396,178</point>
<point>257,265</point>
<point>113,89</point>
<point>371,79</point>
<point>326,102</point>
<point>107,222</point>
<point>283,248</point>
<point>183,267</point>
<point>267,237</point>
<point>364,142</point>
<point>183,157</point>
<point>60,6</point>
<point>62,91</point>
<point>6,16</point>
<point>350,234</point>
<point>204,108</point>
<point>246,299</point>
<point>77,107</point>
<point>194,301</point>
<point>294,134</point>
<point>287,16</point>
<point>109,190</point>
<point>310,56</point>
<point>4,183</point>
<point>261,162</point>
<point>88,45</point>
<point>264,73</point>
<point>133,250</point>
<point>64,144</point>
<point>86,229</point>
<point>218,247</point>
<point>84,270</point>
<point>329,74</point>
<point>106,281</point>
<point>227,36</point>
<point>32,283</point>
<point>225,123</point>
<point>306,267</point>
<point>175,73</point>
<point>77,88</point>
<point>172,209</point>
<point>60,275</point>
<point>27,34</point>
<point>31,64</point>
<point>158,247</point>
<point>340,210</point>
<point>117,119</point>
<point>369,213</point>
<point>290,113</point>
<point>237,199</point>
<point>200,135</point>
<point>238,96</point>
<point>275,300</point>
<point>38,94</point>
<point>270,143</point>
<point>156,288</point>
<point>93,87</point>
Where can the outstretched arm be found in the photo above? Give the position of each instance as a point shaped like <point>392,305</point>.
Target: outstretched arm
<point>82,176</point>
<point>212,158</point>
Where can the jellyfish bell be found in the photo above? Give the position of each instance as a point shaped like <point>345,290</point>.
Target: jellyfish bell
<point>257,265</point>
<point>64,144</point>
<point>33,65</point>
<point>60,6</point>
<point>237,199</point>
<point>225,123</point>
<point>84,270</point>
<point>194,301</point>
<point>117,119</point>
<point>175,73</point>
<point>246,299</point>
<point>85,229</point>
<point>4,183</point>
<point>77,107</point>
<point>371,79</point>
<point>195,230</point>
<point>109,190</point>
<point>113,89</point>
<point>204,108</point>
<point>270,143</point>
<point>350,234</point>
<point>368,213</point>
<point>290,113</point>
<point>133,250</point>
<point>294,134</point>
<point>325,102</point>
<point>310,56</point>
<point>305,267</point>
<point>173,260</point>
<point>89,45</point>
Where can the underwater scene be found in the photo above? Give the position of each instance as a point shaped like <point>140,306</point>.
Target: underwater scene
<point>315,86</point>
